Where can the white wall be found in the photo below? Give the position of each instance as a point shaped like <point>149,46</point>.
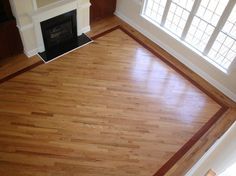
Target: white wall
<point>219,157</point>
<point>130,11</point>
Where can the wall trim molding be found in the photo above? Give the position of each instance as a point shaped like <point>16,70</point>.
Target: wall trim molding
<point>85,29</point>
<point>179,56</point>
<point>31,53</point>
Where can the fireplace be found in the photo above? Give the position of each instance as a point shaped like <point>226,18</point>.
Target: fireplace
<point>59,31</point>
<point>60,35</point>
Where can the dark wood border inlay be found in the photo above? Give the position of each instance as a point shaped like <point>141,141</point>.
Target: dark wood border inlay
<point>41,62</point>
<point>20,71</point>
<point>189,144</point>
<point>173,66</point>
<point>106,32</point>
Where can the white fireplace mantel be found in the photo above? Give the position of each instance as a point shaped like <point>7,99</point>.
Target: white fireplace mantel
<point>29,17</point>
<point>54,10</point>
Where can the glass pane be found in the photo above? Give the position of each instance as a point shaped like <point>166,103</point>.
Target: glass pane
<point>204,23</point>
<point>186,4</point>
<point>211,10</point>
<point>223,51</point>
<point>155,9</point>
<point>199,33</point>
<point>178,15</point>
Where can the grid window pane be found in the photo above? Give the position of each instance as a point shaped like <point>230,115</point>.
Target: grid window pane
<point>155,9</point>
<point>199,33</point>
<point>211,10</point>
<point>204,23</point>
<point>230,25</point>
<point>223,51</point>
<point>200,27</point>
<point>178,15</point>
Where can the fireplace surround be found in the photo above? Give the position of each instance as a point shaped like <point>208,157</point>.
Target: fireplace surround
<point>29,18</point>
<point>59,31</point>
<point>60,36</point>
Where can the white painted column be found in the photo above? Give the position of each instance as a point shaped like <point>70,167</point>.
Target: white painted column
<point>83,18</point>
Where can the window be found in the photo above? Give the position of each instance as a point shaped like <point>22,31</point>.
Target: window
<point>204,22</point>
<point>178,15</point>
<point>223,50</point>
<point>208,26</point>
<point>154,9</point>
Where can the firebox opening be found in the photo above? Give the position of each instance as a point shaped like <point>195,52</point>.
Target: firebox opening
<point>60,36</point>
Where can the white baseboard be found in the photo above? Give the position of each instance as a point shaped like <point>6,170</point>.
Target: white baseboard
<point>85,29</point>
<point>31,52</point>
<point>179,56</point>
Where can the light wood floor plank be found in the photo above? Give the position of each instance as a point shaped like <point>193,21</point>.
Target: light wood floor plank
<point>109,108</point>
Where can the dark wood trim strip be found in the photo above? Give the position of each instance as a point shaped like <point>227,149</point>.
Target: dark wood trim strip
<point>41,62</point>
<point>189,144</point>
<point>20,71</point>
<point>105,32</point>
<point>173,66</point>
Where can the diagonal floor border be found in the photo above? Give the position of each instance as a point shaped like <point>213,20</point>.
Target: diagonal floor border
<point>21,71</point>
<point>189,144</point>
<point>30,67</point>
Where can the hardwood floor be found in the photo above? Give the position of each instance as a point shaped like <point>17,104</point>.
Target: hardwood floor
<point>15,64</point>
<point>110,108</point>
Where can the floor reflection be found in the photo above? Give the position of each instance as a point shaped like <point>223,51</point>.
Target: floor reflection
<point>167,87</point>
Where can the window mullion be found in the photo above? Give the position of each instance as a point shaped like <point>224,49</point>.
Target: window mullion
<point>219,26</point>
<point>34,5</point>
<point>190,18</point>
<point>232,66</point>
<point>165,13</point>
<point>144,5</point>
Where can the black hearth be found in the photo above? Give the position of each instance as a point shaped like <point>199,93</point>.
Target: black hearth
<point>60,35</point>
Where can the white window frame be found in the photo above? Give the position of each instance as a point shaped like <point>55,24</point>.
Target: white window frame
<point>165,13</point>
<point>229,7</point>
<point>35,6</point>
<point>190,18</point>
<point>226,13</point>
